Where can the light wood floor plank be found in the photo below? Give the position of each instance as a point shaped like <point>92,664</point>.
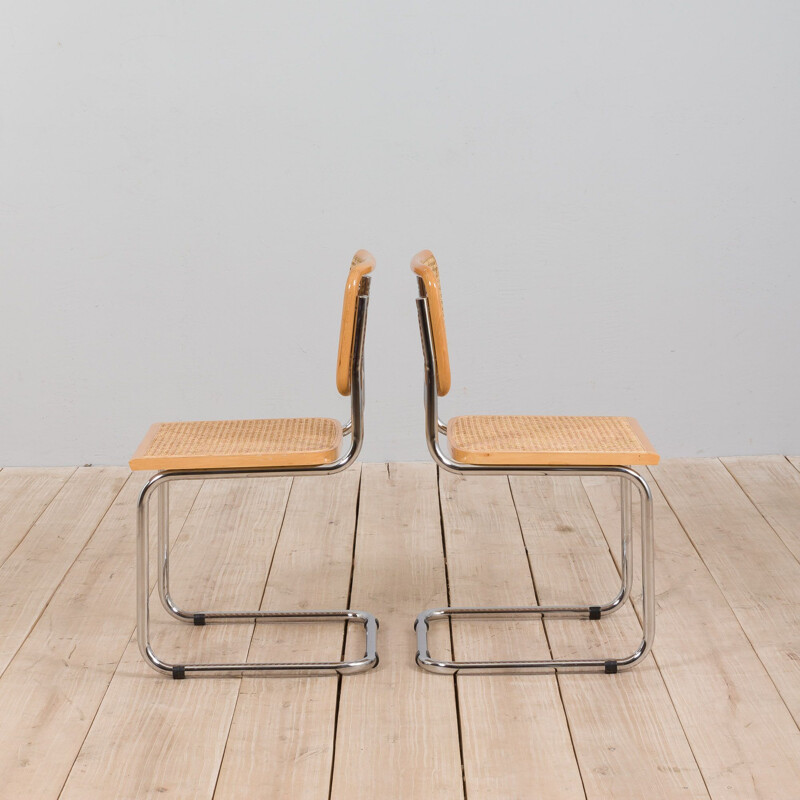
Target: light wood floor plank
<point>741,733</point>
<point>397,733</point>
<point>752,566</point>
<point>51,690</point>
<point>291,721</point>
<point>726,647</point>
<point>514,730</point>
<point>24,495</point>
<point>773,486</point>
<point>154,736</point>
<point>626,732</point>
<point>31,574</point>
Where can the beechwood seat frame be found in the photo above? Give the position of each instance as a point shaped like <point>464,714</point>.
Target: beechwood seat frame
<point>628,478</point>
<point>159,485</point>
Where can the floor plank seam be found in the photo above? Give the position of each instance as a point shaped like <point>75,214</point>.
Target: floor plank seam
<point>637,613</point>
<point>793,465</point>
<point>228,732</point>
<point>121,656</point>
<point>452,639</point>
<point>344,637</point>
<point>335,732</point>
<point>746,747</point>
<point>725,597</point>
<point>680,722</point>
<point>272,560</point>
<point>66,572</point>
<point>547,641</point>
<point>352,563</point>
<point>173,541</point>
<point>602,531</point>
<point>252,636</point>
<point>39,516</point>
<point>761,513</point>
<point>250,643</point>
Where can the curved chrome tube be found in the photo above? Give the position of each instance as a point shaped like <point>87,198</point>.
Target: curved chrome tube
<point>161,482</point>
<point>628,477</point>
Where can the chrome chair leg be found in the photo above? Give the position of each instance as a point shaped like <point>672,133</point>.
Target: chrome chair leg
<point>608,665</point>
<point>163,558</point>
<point>160,484</point>
<point>626,548</point>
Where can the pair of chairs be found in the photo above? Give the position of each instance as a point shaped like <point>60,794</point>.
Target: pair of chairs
<point>476,445</point>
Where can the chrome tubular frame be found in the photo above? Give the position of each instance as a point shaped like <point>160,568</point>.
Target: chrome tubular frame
<point>628,478</point>
<point>159,484</point>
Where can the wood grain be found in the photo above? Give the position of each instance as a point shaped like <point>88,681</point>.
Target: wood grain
<point>153,736</point>
<point>752,749</point>
<point>752,566</point>
<point>626,733</point>
<point>25,493</point>
<point>53,687</point>
<point>31,574</point>
<point>773,486</point>
<point>514,731</point>
<point>397,732</point>
<point>79,706</point>
<point>293,719</point>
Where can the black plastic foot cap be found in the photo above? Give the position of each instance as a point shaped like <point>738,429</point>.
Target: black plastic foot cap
<point>199,619</point>
<point>594,612</point>
<point>611,667</point>
<point>179,673</point>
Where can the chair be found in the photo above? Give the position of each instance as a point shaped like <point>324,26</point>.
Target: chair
<point>520,445</point>
<point>256,448</point>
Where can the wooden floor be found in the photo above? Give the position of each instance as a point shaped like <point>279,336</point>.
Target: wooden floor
<point>714,714</point>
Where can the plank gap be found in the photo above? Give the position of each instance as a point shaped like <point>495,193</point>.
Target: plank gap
<point>547,639</point>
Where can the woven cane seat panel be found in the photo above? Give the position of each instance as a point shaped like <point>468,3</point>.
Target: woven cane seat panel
<point>549,441</point>
<point>228,444</point>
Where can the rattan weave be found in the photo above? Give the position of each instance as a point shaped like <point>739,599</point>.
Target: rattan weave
<point>239,443</point>
<point>549,440</point>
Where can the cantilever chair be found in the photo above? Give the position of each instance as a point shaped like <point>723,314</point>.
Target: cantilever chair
<point>518,445</point>
<point>256,448</point>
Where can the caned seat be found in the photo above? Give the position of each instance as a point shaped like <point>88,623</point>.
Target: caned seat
<point>522,440</point>
<point>233,444</point>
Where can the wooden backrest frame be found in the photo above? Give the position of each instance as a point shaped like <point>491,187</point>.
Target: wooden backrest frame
<point>424,266</point>
<point>362,264</point>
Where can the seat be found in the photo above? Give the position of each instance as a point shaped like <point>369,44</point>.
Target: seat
<point>519,440</point>
<point>533,445</point>
<point>236,444</point>
<point>228,449</point>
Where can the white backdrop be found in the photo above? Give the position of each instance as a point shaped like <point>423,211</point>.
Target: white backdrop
<point>611,189</point>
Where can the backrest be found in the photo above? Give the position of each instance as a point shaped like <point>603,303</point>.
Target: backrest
<point>362,264</point>
<point>425,267</point>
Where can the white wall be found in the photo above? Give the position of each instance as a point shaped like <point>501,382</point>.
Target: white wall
<point>611,189</point>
